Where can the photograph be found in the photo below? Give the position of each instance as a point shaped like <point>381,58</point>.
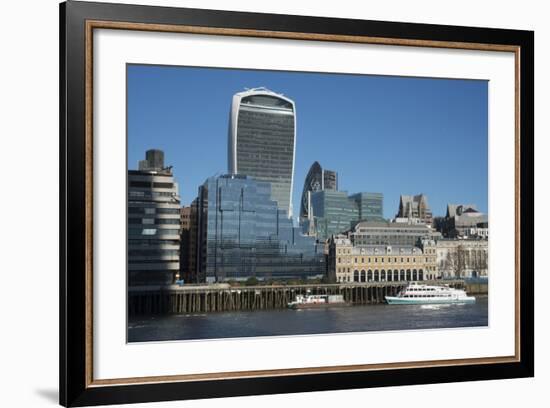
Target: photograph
<point>260,203</point>
<point>289,203</point>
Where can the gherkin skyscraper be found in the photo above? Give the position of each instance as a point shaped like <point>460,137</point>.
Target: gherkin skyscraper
<point>317,179</point>
<point>262,141</point>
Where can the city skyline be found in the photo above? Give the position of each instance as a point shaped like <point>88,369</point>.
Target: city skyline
<point>386,143</point>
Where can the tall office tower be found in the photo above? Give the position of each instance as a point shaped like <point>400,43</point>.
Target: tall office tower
<point>415,207</point>
<point>317,179</point>
<point>330,180</point>
<point>262,141</point>
<point>153,225</point>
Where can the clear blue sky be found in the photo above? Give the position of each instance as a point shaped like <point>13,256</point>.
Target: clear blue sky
<point>393,135</point>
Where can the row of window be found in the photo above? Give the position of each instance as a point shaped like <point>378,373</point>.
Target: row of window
<point>152,210</point>
<point>383,276</point>
<point>382,259</point>
<point>151,261</point>
<point>413,250</point>
<point>343,270</point>
<point>154,221</point>
<point>427,296</point>
<point>147,184</point>
<point>152,231</point>
<point>383,271</point>
<point>153,252</point>
<point>149,194</point>
<point>149,242</point>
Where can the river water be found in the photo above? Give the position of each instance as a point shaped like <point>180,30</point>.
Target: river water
<point>308,321</point>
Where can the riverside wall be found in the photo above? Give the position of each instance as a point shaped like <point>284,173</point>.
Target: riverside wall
<point>221,298</point>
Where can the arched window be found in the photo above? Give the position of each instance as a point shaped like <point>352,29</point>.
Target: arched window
<point>376,275</point>
<point>390,275</point>
<point>383,275</point>
<point>420,274</point>
<point>362,276</point>
<point>402,275</point>
<point>369,276</point>
<point>356,276</point>
<point>395,275</point>
<point>408,274</point>
<point>414,275</point>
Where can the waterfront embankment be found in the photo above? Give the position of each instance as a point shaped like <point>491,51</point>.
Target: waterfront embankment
<point>154,300</point>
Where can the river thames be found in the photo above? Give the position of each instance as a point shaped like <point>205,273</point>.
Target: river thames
<point>308,321</point>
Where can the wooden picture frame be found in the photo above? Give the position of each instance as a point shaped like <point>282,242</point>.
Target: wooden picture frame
<point>78,20</point>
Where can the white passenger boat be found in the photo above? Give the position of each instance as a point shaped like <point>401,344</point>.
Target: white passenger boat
<point>314,301</point>
<point>419,294</point>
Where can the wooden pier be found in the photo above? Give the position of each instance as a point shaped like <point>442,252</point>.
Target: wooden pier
<point>220,298</point>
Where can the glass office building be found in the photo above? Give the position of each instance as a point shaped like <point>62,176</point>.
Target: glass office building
<point>262,141</point>
<point>333,212</point>
<point>242,234</point>
<point>370,206</point>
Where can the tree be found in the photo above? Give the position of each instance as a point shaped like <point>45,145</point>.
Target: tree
<point>479,263</point>
<point>484,262</point>
<point>252,281</point>
<point>450,263</point>
<point>462,260</point>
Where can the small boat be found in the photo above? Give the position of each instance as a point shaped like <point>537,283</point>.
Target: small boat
<point>419,294</point>
<point>317,301</point>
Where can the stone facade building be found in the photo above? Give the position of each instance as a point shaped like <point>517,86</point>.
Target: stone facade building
<point>462,258</point>
<point>380,263</point>
<point>415,207</point>
<point>464,221</point>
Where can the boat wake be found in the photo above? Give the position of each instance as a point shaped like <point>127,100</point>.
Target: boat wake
<point>434,307</point>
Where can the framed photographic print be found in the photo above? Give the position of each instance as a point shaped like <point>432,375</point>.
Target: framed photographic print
<point>255,203</point>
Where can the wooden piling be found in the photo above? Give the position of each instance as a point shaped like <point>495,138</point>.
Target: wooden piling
<point>211,299</point>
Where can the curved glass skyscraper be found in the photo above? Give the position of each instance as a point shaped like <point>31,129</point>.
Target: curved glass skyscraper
<point>262,141</point>
<point>317,179</point>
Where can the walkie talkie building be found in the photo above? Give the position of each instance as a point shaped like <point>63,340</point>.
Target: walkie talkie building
<point>262,141</point>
